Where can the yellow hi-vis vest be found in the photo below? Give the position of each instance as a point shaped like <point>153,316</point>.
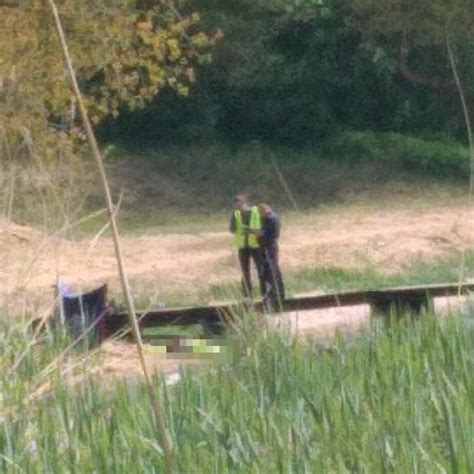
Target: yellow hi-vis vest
<point>254,224</point>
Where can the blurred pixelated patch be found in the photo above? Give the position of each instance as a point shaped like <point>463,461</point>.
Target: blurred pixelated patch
<point>218,348</point>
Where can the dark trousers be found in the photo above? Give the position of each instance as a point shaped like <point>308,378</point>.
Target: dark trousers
<point>272,274</point>
<point>245,257</point>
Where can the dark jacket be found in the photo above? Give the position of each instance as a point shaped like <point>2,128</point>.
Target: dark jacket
<point>271,230</point>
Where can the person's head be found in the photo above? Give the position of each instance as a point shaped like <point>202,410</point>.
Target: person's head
<point>264,209</point>
<point>240,202</point>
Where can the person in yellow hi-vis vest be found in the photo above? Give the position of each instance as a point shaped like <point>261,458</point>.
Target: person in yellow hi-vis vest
<point>246,225</point>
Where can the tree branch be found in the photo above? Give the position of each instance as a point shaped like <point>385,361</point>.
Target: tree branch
<point>415,78</point>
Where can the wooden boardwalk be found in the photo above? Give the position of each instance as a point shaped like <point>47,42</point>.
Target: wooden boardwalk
<point>382,301</point>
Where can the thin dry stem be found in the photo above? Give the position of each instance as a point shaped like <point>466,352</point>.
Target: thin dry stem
<point>285,185</point>
<point>160,419</point>
<point>467,120</point>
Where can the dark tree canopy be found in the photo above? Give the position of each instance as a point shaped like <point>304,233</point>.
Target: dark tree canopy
<point>299,70</point>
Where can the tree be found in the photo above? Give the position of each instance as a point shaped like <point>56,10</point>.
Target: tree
<point>421,29</point>
<point>125,52</point>
<point>293,70</point>
<point>299,70</point>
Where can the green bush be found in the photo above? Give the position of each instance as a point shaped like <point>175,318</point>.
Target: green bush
<point>430,158</point>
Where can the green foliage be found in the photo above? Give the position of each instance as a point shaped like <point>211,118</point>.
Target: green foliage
<point>427,22</point>
<point>299,71</point>
<point>435,158</point>
<point>420,31</point>
<point>273,77</point>
<point>398,401</point>
<point>124,54</point>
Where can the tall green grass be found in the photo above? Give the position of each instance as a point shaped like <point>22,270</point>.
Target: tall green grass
<point>397,400</point>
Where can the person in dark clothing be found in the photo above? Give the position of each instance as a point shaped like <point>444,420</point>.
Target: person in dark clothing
<point>268,237</point>
<point>245,224</point>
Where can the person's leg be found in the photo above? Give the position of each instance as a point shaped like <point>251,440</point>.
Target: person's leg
<point>244,260</point>
<point>259,260</point>
<point>276,279</point>
<point>267,272</point>
<point>269,299</point>
<point>279,276</point>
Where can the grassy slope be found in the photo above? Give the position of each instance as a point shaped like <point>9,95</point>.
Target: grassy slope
<point>164,187</point>
<point>167,186</point>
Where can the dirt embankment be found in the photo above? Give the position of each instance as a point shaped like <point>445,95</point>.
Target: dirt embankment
<point>31,261</point>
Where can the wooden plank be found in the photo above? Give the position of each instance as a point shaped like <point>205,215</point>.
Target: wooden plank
<point>434,290</point>
<point>205,315</point>
<point>325,301</point>
<point>212,315</point>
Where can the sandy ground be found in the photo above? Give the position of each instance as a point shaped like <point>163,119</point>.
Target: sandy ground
<point>31,262</point>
